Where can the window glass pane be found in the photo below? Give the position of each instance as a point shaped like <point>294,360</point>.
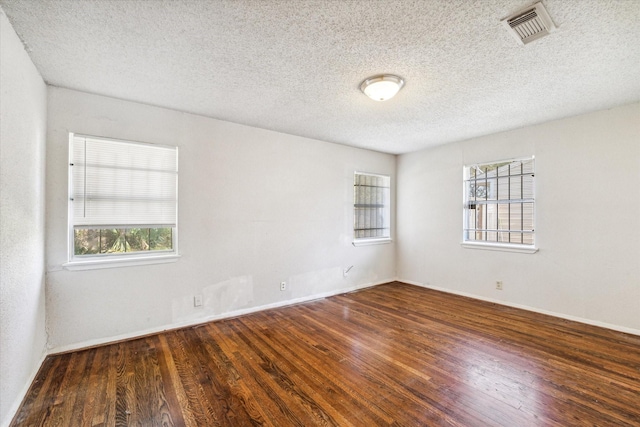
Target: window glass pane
<point>503,237</point>
<point>482,190</point>
<point>491,219</point>
<point>515,218</point>
<point>502,192</point>
<point>137,239</point>
<point>108,237</point>
<point>527,215</point>
<point>491,189</point>
<point>515,168</point>
<point>527,186</point>
<point>480,216</point>
<point>503,169</point>
<point>503,216</point>
<point>516,188</point>
<point>116,241</point>
<point>527,166</point>
<point>471,217</point>
<point>86,241</point>
<point>160,239</point>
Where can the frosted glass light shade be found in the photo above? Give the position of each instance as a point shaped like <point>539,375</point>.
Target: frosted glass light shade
<point>382,87</point>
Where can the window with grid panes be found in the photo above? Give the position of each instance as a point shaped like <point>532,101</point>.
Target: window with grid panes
<point>371,208</point>
<point>499,205</point>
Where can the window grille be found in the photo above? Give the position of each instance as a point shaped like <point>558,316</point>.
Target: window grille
<point>499,204</point>
<point>371,206</point>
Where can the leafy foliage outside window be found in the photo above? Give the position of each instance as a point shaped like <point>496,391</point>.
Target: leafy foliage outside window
<point>92,241</point>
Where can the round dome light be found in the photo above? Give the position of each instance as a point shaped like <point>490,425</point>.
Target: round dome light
<point>382,87</point>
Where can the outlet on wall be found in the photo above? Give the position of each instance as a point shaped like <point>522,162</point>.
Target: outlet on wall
<point>283,286</point>
<point>499,285</point>
<point>197,301</point>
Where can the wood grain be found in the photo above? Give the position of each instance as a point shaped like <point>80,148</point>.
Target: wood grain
<point>395,354</point>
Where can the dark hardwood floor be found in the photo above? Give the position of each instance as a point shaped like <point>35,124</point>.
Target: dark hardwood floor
<point>394,354</point>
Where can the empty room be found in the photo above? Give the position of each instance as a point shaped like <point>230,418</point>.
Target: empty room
<point>320,213</point>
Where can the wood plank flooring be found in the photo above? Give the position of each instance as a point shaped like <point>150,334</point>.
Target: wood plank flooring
<point>394,354</point>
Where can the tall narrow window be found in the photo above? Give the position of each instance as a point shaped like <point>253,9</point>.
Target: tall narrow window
<point>123,199</point>
<point>371,208</point>
<point>499,205</point>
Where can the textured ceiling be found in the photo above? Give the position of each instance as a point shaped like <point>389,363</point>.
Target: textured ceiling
<point>294,66</point>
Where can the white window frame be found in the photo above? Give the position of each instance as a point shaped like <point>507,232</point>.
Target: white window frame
<point>96,261</point>
<point>495,245</point>
<point>386,218</point>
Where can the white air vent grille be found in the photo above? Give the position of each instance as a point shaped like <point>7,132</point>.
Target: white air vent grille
<point>529,24</point>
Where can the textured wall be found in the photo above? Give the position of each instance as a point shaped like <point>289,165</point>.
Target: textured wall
<point>588,227</point>
<point>255,208</point>
<point>22,138</point>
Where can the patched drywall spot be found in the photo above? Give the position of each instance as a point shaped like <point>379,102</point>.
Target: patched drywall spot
<point>219,298</point>
<point>229,295</point>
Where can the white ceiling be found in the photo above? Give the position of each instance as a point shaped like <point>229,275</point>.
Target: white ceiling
<point>295,66</point>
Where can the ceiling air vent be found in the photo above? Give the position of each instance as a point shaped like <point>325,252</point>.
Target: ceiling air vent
<point>529,24</point>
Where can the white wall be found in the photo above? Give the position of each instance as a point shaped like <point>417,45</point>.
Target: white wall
<point>22,149</point>
<point>255,208</point>
<point>588,219</point>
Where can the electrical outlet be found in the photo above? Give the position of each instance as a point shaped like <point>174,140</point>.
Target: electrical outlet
<point>283,286</point>
<point>499,285</point>
<point>197,301</point>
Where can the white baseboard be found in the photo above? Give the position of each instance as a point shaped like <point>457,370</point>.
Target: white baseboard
<point>152,331</point>
<point>13,409</point>
<point>529,308</point>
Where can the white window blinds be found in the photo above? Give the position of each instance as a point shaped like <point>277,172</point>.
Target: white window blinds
<point>123,184</point>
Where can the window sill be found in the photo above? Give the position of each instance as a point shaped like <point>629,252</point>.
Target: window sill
<point>374,241</point>
<point>94,264</point>
<point>523,249</point>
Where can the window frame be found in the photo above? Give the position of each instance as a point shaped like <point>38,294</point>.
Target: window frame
<point>103,260</point>
<point>362,241</point>
<point>496,245</point>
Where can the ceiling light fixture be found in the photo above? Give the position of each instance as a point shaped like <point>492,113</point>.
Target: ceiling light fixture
<point>382,87</point>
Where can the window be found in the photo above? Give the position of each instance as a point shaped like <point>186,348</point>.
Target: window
<point>499,205</point>
<point>122,200</point>
<point>371,208</point>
